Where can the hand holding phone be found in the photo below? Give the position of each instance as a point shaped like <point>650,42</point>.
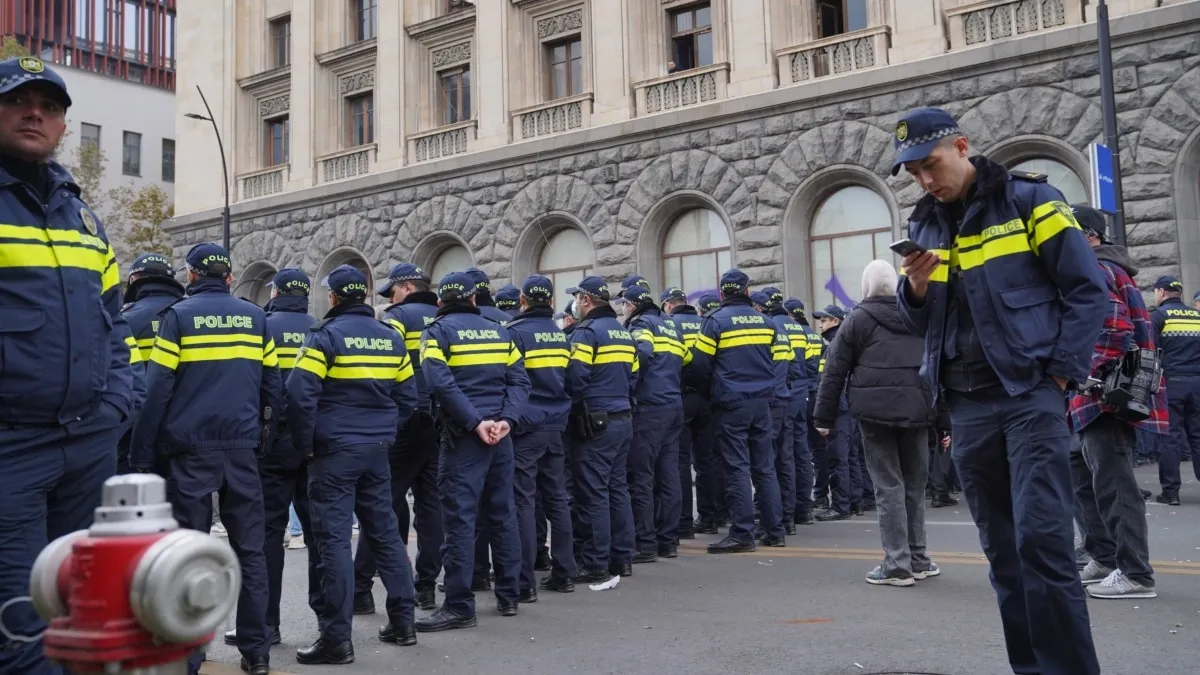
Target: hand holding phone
<point>904,247</point>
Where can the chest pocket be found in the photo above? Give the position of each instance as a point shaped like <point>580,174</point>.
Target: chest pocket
<point>19,355</point>
<point>1029,314</point>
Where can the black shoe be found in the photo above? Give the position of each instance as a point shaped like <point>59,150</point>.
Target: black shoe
<point>705,528</point>
<point>789,526</point>
<point>426,599</point>
<point>259,665</point>
<point>528,596</point>
<point>323,652</point>
<point>557,584</point>
<point>943,500</point>
<point>481,585</point>
<point>821,504</point>
<point>803,519</point>
<point>620,569</point>
<point>731,545</point>
<point>759,532</point>
<point>668,552</point>
<point>591,577</point>
<point>506,609</point>
<point>642,558</point>
<point>542,563</point>
<point>231,636</point>
<point>856,509</point>
<point>1146,495</point>
<point>831,514</point>
<point>404,634</point>
<point>1170,500</point>
<point>444,619</point>
<point>772,541</point>
<point>364,604</point>
<point>687,533</point>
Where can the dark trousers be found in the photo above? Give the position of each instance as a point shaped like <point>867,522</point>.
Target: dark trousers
<point>284,477</point>
<point>941,466</point>
<point>233,475</point>
<point>602,496</point>
<point>745,443</point>
<point>822,450</point>
<point>785,459</point>
<point>696,437</point>
<point>837,455</point>
<point>475,480</point>
<point>412,463</point>
<point>1111,509</point>
<point>1012,455</point>
<point>860,478</point>
<point>342,483</point>
<point>1183,402</point>
<point>52,485</point>
<point>802,456</point>
<point>654,477</point>
<point>540,477</point>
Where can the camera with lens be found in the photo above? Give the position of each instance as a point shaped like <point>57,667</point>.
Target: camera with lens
<point>1128,389</point>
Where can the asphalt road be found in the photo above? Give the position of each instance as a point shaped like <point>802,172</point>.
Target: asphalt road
<point>804,609</point>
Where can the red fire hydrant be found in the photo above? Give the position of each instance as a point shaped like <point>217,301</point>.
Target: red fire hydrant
<point>133,593</point>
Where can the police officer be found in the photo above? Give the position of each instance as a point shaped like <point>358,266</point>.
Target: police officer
<point>1177,333</point>
<point>793,429</point>
<point>212,390</point>
<point>479,385</point>
<point>413,460</point>
<point>707,304</point>
<point>841,450</point>
<point>695,445</point>
<point>781,425</point>
<point>283,471</point>
<point>66,387</point>
<point>735,360</point>
<point>350,390</point>
<point>538,439</point>
<point>601,377</point>
<point>1010,300</point>
<point>150,289</point>
<point>657,421</point>
<point>805,438</point>
<point>508,300</point>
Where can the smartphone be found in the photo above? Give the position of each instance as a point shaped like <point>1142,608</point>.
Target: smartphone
<point>904,247</point>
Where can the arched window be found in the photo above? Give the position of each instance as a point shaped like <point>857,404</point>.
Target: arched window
<point>851,227</point>
<point>1059,175</point>
<point>253,283</point>
<point>696,251</point>
<point>565,258</point>
<point>320,298</point>
<point>453,258</point>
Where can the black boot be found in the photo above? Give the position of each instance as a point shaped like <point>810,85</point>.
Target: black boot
<point>323,652</point>
<point>773,541</point>
<point>404,634</point>
<point>804,519</point>
<point>789,526</point>
<point>444,619</point>
<point>592,576</point>
<point>731,545</point>
<point>364,603</point>
<point>831,514</point>
<point>426,599</point>
<point>705,527</point>
<point>528,596</point>
<point>231,636</point>
<point>542,563</point>
<point>557,584</point>
<point>641,558</point>
<point>259,665</point>
<point>668,552</point>
<point>507,608</point>
<point>620,569</point>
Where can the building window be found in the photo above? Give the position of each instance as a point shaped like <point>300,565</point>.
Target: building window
<point>451,259</point>
<point>456,95</point>
<point>851,227</point>
<point>691,37</point>
<point>566,68</point>
<point>281,42</point>
<point>1059,175</point>
<point>276,141</point>
<point>365,16</point>
<point>360,120</point>
<point>89,140</point>
<point>90,23</point>
<point>565,258</point>
<point>132,36</point>
<point>696,251</point>
<point>835,17</point>
<point>131,154</point>
<point>168,160</point>
<point>170,40</point>
<point>90,133</point>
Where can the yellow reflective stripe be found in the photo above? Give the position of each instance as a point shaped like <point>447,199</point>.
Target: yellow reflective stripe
<point>514,356</point>
<point>942,271</point>
<point>1181,327</point>
<point>135,354</point>
<point>705,345</point>
<point>406,371</point>
<point>997,241</point>
<point>581,353</point>
<point>548,361</point>
<point>480,347</point>
<point>369,359</point>
<point>399,328</point>
<point>1047,221</point>
<point>80,256</point>
<point>579,346</point>
<point>747,341</point>
<point>610,349</point>
<point>269,358</point>
<point>222,339</point>
<point>821,366</point>
<point>309,363</point>
<point>430,350</point>
<point>643,335</point>
<point>315,354</point>
<point>232,353</point>
<point>481,359</point>
<point>365,372</point>
<point>165,353</point>
<point>634,369</point>
<point>111,277</point>
<point>287,356</point>
<point>145,345</point>
<point>615,357</point>
<point>412,343</point>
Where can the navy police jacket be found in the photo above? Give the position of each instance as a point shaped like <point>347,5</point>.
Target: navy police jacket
<point>150,297</point>
<point>410,316</point>
<point>473,369</point>
<point>288,322</point>
<point>211,373</point>
<point>544,348</point>
<point>661,357</point>
<point>64,345</point>
<point>814,354</point>
<point>1036,293</point>
<point>735,353</point>
<point>797,349</point>
<point>688,320</point>
<point>603,370</point>
<point>352,383</point>
<point>495,314</point>
<point>1177,333</point>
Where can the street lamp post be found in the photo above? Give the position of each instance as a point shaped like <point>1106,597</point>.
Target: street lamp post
<point>224,164</point>
<point>1108,107</point>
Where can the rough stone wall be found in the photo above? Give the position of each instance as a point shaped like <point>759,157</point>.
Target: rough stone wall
<point>753,169</point>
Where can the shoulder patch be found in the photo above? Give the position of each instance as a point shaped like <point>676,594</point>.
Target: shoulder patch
<point>1031,176</point>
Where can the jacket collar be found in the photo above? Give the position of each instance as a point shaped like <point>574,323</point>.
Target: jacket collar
<point>155,285</point>
<point>208,285</point>
<point>56,175</point>
<point>736,300</point>
<point>600,312</point>
<point>685,309</point>
<point>297,304</point>
<point>640,310</point>
<point>356,309</point>
<point>539,312</point>
<point>990,178</point>
<point>458,308</point>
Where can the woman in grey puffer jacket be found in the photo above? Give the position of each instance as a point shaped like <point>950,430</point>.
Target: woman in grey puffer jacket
<point>881,359</point>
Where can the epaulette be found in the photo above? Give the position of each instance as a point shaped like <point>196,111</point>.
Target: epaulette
<point>320,324</point>
<point>586,323</point>
<point>163,311</point>
<point>1030,176</point>
<point>516,321</point>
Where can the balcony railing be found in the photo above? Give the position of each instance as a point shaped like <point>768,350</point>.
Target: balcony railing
<point>453,139</point>
<point>835,55</point>
<point>552,117</point>
<point>682,89</point>
<point>346,163</point>
<point>992,20</point>
<point>264,182</point>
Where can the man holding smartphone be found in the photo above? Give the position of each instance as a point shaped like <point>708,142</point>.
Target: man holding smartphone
<point>1010,299</point>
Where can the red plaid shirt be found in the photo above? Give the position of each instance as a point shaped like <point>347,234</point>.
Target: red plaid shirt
<point>1127,321</point>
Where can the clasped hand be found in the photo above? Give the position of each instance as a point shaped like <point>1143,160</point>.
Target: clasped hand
<point>491,431</point>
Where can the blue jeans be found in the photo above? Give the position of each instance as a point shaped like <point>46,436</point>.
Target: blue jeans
<point>294,528</point>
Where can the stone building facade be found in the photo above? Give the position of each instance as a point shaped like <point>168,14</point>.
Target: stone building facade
<point>792,185</point>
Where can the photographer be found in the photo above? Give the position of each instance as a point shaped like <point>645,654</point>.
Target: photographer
<point>1113,517</point>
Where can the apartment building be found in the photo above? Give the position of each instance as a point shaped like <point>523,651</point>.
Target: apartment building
<point>671,138</point>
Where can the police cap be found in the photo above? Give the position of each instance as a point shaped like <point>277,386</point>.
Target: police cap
<point>537,287</point>
<point>508,296</point>
<point>734,281</point>
<point>1168,283</point>
<point>919,132</point>
<point>593,286</point>
<point>151,263</point>
<point>30,70</point>
<point>638,295</point>
<point>456,287</point>
<point>1091,220</point>
<point>400,273</point>
<point>673,293</point>
<point>830,312</point>
<point>707,303</point>
<point>774,296</point>
<point>759,299</point>
<point>291,279</point>
<point>347,283</point>
<point>210,260</point>
<point>630,282</point>
<point>480,279</point>
<point>793,306</point>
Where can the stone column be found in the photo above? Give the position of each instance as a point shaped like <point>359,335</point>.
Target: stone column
<point>390,62</point>
<point>749,54</point>
<point>302,110</point>
<point>610,62</point>
<point>918,29</point>
<point>489,64</point>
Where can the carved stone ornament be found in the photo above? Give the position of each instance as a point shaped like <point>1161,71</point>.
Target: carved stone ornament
<point>560,24</point>
<point>274,106</point>
<point>357,81</point>
<point>454,54</point>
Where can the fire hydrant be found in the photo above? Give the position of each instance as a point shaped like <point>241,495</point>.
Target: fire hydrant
<point>133,593</point>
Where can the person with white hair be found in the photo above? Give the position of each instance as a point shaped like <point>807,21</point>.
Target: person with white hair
<point>881,360</point>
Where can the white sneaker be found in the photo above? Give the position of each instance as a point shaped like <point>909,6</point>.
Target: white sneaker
<point>296,543</point>
<point>218,530</point>
<point>1117,586</point>
<point>932,571</point>
<point>1094,573</point>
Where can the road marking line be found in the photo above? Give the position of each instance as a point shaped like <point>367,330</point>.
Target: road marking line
<point>217,668</point>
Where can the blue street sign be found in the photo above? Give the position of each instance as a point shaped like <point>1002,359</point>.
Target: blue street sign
<point>1104,180</point>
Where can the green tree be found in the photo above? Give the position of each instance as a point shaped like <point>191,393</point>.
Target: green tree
<point>86,165</point>
<point>11,48</point>
<point>135,220</point>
